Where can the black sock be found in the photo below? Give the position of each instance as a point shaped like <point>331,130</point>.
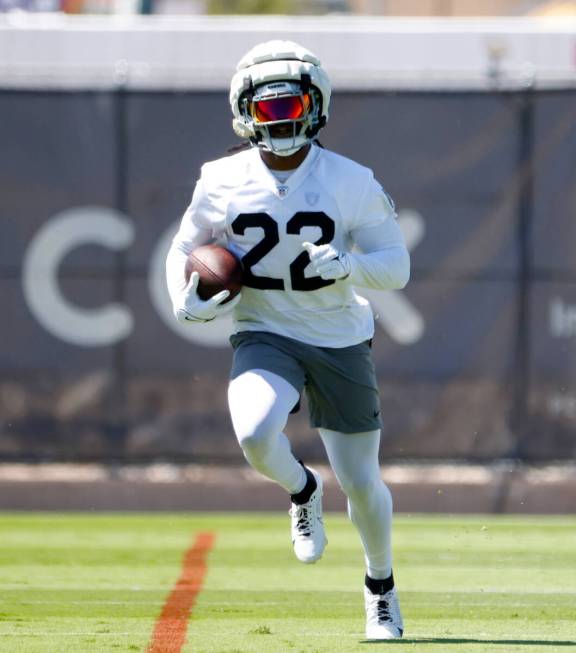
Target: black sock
<point>304,495</point>
<point>379,585</point>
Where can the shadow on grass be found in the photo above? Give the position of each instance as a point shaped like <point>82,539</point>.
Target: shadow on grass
<point>455,640</point>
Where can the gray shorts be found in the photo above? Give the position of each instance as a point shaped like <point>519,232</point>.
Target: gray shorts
<point>340,384</point>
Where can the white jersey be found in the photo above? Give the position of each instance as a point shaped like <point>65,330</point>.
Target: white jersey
<point>328,199</point>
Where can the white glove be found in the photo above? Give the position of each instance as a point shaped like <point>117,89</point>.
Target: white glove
<point>193,309</point>
<point>327,261</point>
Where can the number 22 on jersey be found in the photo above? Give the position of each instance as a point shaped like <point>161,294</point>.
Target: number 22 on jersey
<point>271,238</point>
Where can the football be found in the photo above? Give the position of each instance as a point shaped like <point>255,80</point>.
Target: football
<point>219,269</point>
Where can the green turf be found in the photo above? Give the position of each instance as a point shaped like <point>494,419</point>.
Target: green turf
<point>79,583</point>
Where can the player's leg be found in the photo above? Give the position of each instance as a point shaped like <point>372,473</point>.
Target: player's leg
<point>267,379</point>
<point>260,402</point>
<point>354,459</point>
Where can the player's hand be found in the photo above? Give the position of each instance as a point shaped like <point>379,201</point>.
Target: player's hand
<point>193,309</point>
<point>327,261</point>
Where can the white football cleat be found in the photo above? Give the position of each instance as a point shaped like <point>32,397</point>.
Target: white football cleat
<point>383,616</point>
<point>308,535</point>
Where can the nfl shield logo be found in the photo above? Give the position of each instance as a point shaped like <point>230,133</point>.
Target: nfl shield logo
<point>282,190</point>
<point>312,198</point>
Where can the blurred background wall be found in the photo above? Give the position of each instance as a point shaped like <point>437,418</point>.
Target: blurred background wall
<point>424,8</point>
<point>470,124</point>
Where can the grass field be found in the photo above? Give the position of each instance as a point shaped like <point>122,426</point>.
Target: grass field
<point>92,582</point>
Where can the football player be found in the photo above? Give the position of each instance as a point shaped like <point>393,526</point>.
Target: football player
<point>309,226</point>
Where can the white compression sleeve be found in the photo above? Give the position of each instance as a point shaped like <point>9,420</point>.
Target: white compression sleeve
<point>260,402</point>
<point>383,261</point>
<point>182,245</point>
<point>354,459</point>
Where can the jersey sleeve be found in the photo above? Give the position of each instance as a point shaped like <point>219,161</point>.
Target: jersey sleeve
<point>375,206</point>
<point>201,214</point>
<point>383,261</point>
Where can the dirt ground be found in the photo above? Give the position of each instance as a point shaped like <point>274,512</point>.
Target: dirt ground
<point>417,488</point>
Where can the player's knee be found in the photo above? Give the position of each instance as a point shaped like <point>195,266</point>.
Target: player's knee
<point>363,490</point>
<point>252,443</point>
<point>256,439</point>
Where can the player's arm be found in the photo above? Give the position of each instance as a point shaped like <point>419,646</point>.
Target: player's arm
<point>382,262</point>
<point>195,230</point>
<point>189,237</point>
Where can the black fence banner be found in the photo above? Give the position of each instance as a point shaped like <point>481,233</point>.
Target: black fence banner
<point>475,358</point>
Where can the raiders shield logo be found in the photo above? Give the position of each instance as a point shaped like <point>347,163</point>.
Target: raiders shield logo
<point>312,198</point>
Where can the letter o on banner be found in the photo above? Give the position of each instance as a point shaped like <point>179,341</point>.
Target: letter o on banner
<point>210,334</point>
<point>61,234</point>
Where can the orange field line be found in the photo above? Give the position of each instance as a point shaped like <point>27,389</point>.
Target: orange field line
<point>170,630</point>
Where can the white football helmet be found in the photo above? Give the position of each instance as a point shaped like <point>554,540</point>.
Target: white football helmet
<point>279,96</point>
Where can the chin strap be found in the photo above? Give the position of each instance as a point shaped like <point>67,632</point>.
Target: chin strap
<point>289,152</point>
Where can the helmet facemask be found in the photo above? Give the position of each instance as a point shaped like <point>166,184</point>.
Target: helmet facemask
<point>283,115</point>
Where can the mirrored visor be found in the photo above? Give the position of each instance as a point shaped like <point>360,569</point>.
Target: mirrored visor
<point>281,108</point>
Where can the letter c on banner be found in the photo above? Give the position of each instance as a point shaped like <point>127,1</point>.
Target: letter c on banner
<point>62,233</point>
